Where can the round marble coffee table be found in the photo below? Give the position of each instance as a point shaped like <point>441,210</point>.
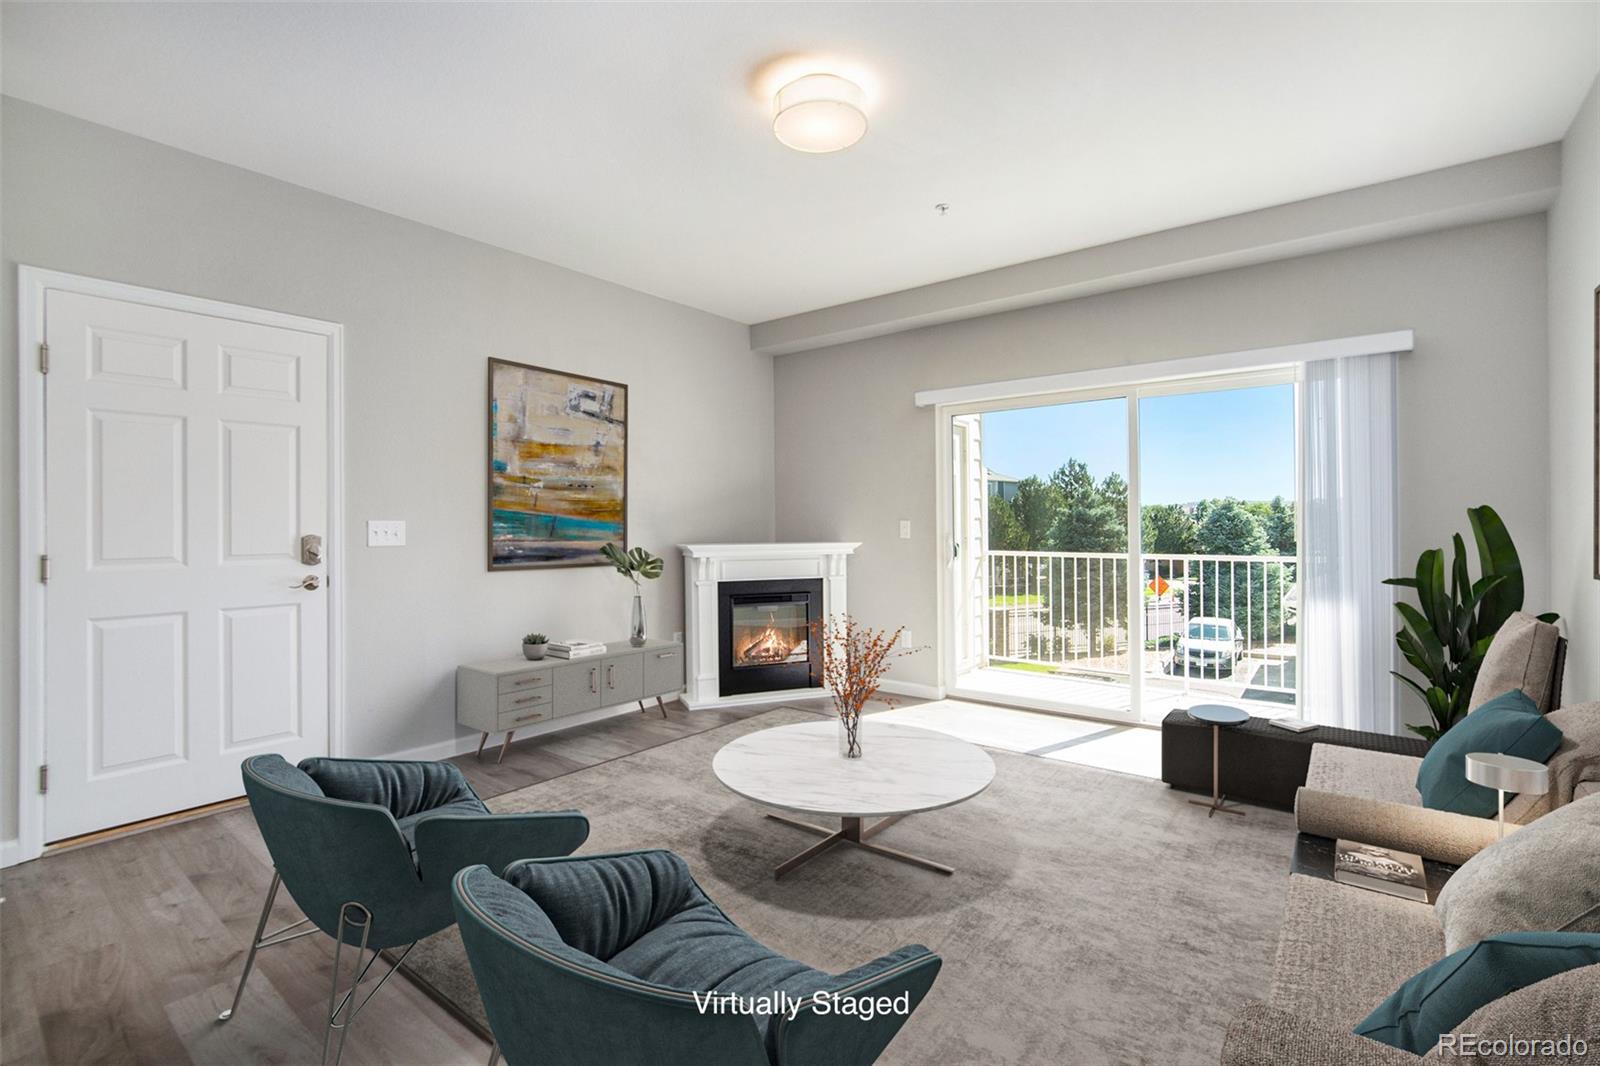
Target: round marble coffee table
<point>903,770</point>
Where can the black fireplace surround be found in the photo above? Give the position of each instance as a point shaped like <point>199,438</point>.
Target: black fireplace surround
<point>765,642</point>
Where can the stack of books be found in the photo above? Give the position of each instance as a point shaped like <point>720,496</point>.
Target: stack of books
<point>575,649</point>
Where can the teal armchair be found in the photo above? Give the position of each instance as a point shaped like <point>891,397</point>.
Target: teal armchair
<point>368,849</point>
<point>608,960</point>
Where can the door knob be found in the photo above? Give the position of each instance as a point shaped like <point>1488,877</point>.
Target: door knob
<point>310,581</point>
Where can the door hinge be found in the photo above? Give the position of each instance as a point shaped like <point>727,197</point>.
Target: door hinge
<point>44,777</point>
<point>44,357</point>
<point>44,569</point>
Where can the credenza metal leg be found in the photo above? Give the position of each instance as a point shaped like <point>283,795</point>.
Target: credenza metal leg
<point>504,745</point>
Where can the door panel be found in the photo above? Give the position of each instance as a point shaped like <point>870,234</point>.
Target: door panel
<point>577,687</point>
<point>139,706</point>
<point>260,674</point>
<point>186,454</point>
<point>136,488</point>
<point>624,680</point>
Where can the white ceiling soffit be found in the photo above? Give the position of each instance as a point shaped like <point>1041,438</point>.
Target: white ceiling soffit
<point>1502,187</point>
<point>633,141</point>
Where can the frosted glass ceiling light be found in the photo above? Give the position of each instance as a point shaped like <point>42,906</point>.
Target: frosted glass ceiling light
<point>819,113</point>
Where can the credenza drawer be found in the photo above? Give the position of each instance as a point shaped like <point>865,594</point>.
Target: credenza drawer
<point>663,671</point>
<point>524,701</point>
<point>532,679</point>
<point>526,715</point>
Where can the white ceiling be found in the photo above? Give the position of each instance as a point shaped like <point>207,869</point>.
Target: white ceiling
<point>631,141</point>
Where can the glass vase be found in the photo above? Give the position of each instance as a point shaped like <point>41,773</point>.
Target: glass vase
<point>850,735</point>
<point>636,633</point>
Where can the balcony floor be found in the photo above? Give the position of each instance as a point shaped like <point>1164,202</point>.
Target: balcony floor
<point>1063,693</point>
<point>1128,749</point>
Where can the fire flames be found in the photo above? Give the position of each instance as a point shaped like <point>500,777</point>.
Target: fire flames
<point>769,645</point>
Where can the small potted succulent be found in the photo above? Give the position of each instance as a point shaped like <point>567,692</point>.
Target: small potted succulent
<point>533,645</point>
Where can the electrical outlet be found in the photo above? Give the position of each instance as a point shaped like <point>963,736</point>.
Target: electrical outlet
<point>388,534</point>
<point>905,529</point>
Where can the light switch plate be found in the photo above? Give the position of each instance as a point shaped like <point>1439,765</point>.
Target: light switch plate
<point>905,529</point>
<point>386,534</point>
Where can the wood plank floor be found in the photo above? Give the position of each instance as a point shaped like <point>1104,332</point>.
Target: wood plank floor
<point>126,950</point>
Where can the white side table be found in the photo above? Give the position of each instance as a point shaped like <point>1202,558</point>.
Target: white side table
<point>1507,773</point>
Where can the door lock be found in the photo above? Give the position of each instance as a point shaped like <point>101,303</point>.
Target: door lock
<point>311,549</point>
<point>310,582</point>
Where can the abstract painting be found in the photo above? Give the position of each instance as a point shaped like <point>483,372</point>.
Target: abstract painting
<point>558,467</point>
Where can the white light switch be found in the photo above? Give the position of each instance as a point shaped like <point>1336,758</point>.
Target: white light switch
<point>386,534</point>
<point>905,529</point>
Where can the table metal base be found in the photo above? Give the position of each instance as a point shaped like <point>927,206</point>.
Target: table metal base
<point>1217,802</point>
<point>851,831</point>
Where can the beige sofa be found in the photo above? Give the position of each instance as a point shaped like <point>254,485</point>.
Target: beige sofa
<point>1344,950</point>
<point>1371,796</point>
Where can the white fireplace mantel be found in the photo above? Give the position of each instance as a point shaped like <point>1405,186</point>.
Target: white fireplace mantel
<point>706,565</point>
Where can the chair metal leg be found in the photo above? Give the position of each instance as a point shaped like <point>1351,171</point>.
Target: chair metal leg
<point>342,1010</point>
<point>335,1004</point>
<point>494,1053</point>
<point>255,945</point>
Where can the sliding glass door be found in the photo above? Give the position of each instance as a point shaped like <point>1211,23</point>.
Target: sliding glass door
<point>1121,554</point>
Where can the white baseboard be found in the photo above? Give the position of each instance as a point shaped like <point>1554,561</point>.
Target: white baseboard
<point>467,743</point>
<point>439,750</point>
<point>912,688</point>
<point>10,852</point>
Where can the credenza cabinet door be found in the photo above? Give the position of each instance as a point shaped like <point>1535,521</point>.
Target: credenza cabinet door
<point>663,671</point>
<point>579,686</point>
<point>622,679</point>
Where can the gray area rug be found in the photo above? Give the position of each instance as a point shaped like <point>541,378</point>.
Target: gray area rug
<point>1094,917</point>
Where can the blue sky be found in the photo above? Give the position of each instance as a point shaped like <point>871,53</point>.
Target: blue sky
<point>1233,442</point>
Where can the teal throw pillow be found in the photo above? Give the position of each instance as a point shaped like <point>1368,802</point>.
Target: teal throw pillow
<point>1447,993</point>
<point>1509,724</point>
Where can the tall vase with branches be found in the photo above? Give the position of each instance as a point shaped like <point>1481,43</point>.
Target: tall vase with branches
<point>1444,637</point>
<point>634,565</point>
<point>854,659</point>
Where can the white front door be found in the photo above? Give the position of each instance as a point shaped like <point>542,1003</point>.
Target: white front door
<point>185,457</point>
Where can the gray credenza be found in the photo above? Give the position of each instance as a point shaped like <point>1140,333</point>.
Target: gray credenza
<point>510,694</point>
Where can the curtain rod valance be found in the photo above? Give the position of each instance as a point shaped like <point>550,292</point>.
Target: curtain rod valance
<point>1399,340</point>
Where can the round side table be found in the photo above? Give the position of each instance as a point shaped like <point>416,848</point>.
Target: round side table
<point>1217,715</point>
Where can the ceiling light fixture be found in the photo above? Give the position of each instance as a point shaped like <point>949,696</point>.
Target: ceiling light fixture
<point>819,113</point>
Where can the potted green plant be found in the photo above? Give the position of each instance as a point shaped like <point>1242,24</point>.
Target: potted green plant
<point>533,645</point>
<point>1445,636</point>
<point>634,565</point>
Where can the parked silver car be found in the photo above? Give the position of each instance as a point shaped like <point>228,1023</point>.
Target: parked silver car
<point>1206,645</point>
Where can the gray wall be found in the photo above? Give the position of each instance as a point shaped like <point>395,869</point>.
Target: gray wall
<point>422,311</point>
<point>1574,273</point>
<point>854,455</point>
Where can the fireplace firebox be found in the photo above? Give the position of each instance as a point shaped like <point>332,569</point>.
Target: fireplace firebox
<point>766,643</point>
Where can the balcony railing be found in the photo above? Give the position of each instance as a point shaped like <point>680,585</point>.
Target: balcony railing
<point>1069,611</point>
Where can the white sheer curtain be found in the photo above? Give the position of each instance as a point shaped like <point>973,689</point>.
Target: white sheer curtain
<point>1351,543</point>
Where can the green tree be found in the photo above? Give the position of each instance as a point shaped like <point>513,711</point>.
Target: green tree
<point>1005,531</point>
<point>1230,529</point>
<point>1279,526</point>
<point>1166,528</point>
<point>1091,517</point>
<point>1035,506</point>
